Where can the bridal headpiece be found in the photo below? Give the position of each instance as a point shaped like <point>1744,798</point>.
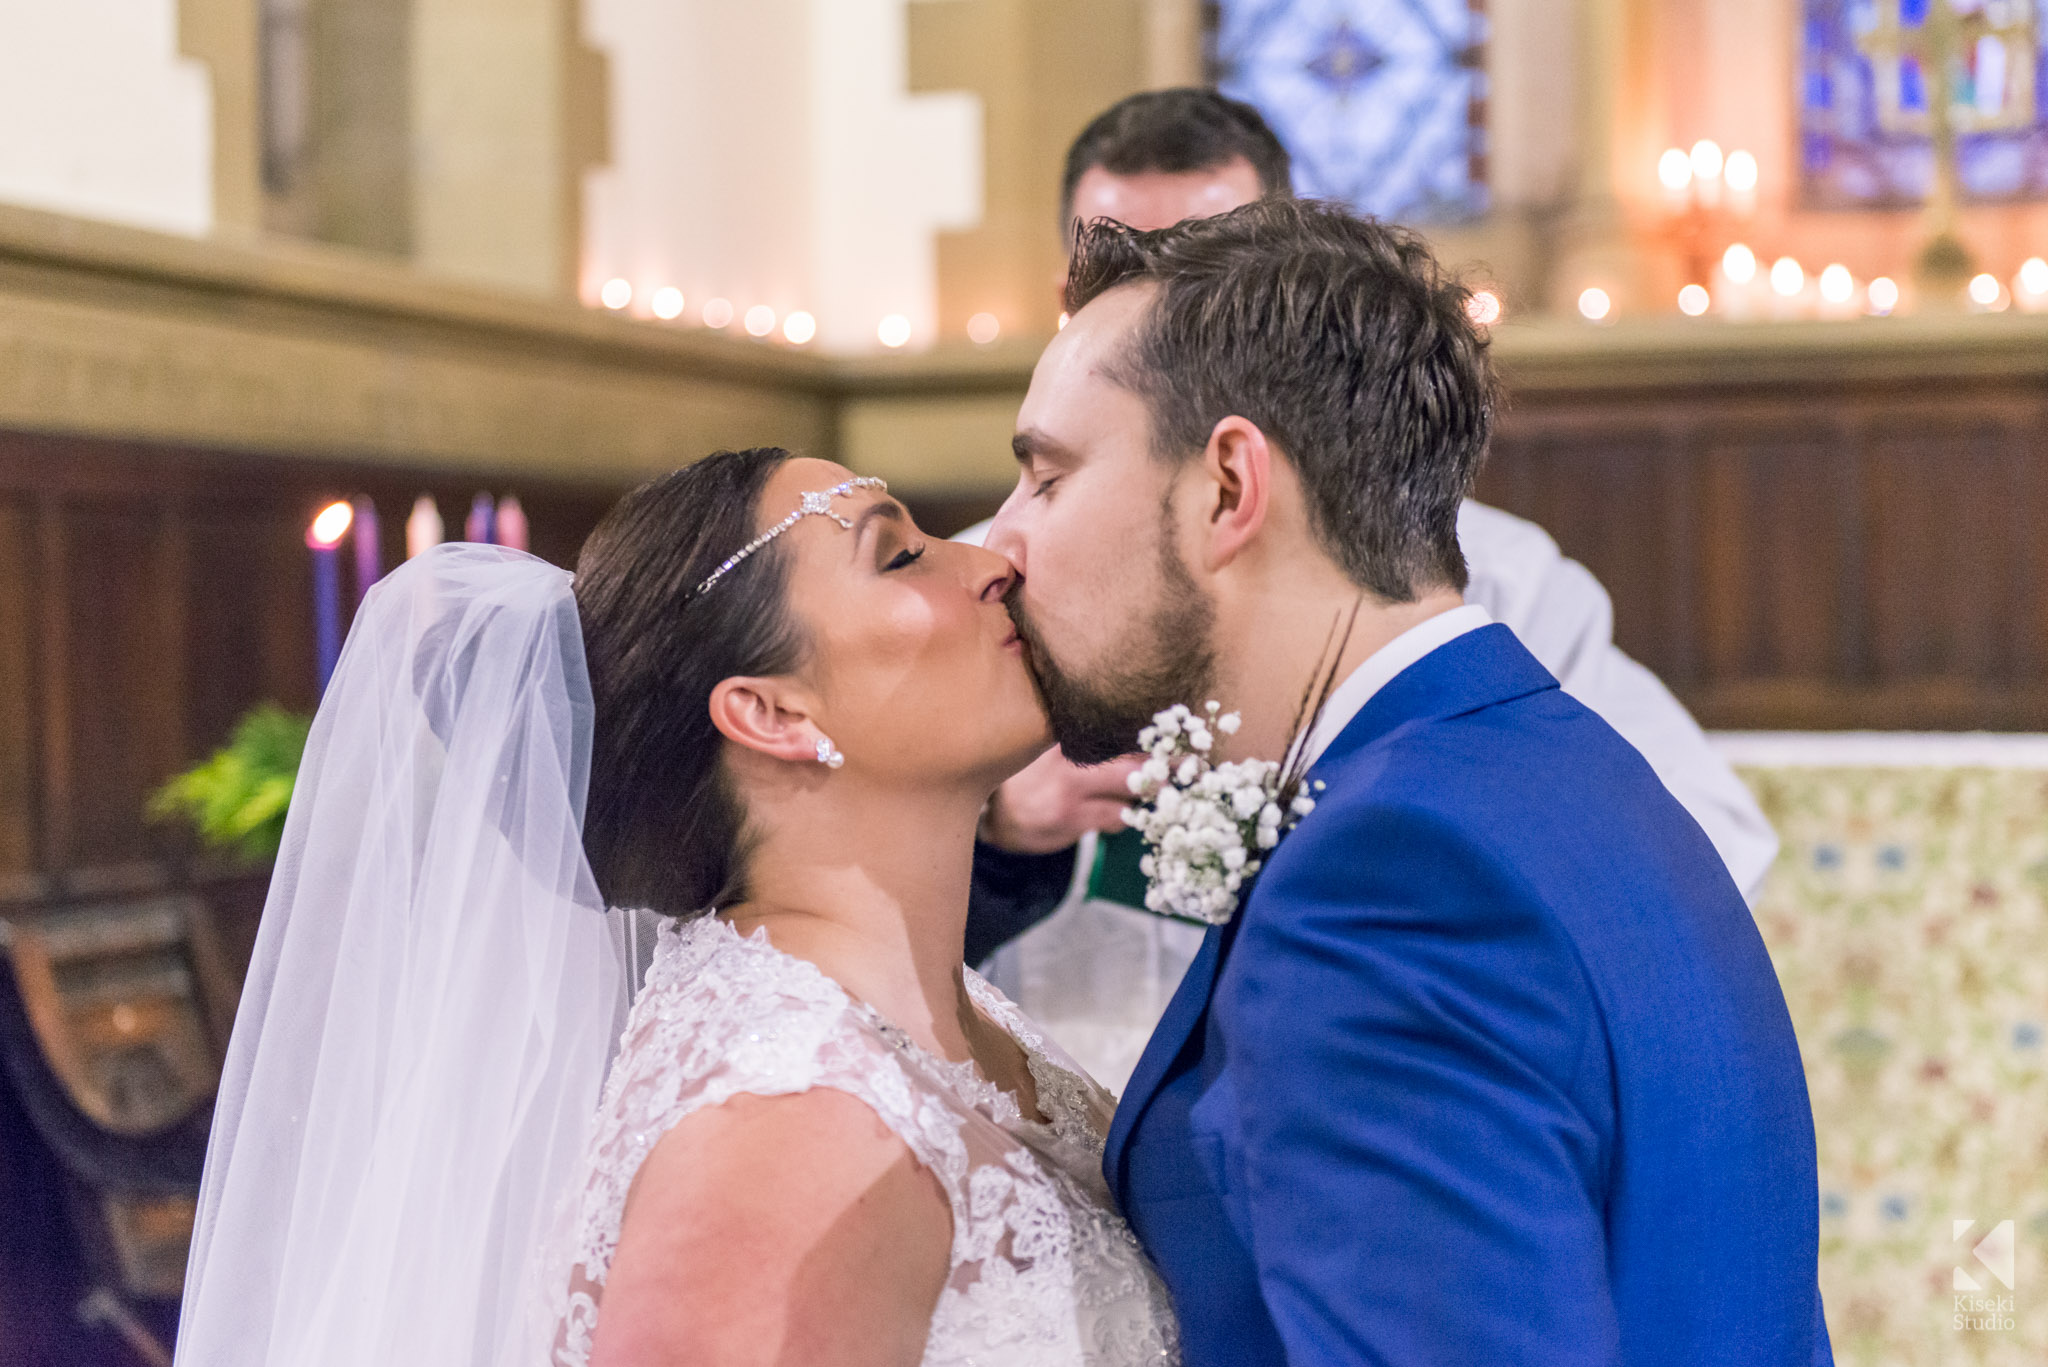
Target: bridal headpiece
<point>817,503</point>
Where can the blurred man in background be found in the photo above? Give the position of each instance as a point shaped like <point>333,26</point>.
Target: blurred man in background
<point>1095,967</point>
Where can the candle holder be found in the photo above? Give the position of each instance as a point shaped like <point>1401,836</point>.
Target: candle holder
<point>1708,198</point>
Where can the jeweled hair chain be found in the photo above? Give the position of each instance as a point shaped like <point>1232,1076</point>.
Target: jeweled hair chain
<point>817,503</point>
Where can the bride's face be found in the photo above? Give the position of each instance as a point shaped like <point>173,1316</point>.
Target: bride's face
<point>914,664</point>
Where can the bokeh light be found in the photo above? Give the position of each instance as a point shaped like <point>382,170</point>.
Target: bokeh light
<point>331,525</point>
<point>1674,169</point>
<point>1740,173</point>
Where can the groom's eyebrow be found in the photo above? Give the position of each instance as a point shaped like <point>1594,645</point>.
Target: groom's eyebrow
<point>1031,444</point>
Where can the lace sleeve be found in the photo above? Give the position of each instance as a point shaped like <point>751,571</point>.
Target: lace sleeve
<point>721,1016</point>
<point>708,1027</point>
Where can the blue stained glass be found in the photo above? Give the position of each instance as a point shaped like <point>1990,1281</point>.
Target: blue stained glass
<point>1912,90</point>
<point>1865,84</point>
<point>1381,103</point>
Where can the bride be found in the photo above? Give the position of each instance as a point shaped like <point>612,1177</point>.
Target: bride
<point>765,719</point>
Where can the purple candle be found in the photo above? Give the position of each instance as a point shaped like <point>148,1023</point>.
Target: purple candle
<point>482,524</point>
<point>369,549</point>
<point>323,539</point>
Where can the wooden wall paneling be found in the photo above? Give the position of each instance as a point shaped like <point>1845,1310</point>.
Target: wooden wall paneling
<point>1772,598</point>
<point>19,788</point>
<point>169,635</point>
<point>1681,524</point>
<point>247,637</point>
<point>1617,496</point>
<point>1615,510</point>
<point>125,683</point>
<point>2030,626</point>
<point>53,682</point>
<point>1942,559</point>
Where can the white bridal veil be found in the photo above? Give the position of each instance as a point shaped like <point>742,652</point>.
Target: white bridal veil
<point>435,994</point>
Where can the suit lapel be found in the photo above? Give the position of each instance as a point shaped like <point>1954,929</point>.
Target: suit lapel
<point>1475,670</point>
<point>1480,668</point>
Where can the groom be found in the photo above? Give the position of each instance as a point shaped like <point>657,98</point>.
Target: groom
<point>1491,1066</point>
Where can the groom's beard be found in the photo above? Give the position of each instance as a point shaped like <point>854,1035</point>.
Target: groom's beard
<point>1171,659</point>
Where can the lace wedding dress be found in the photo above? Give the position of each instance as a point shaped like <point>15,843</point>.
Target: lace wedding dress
<point>1044,1272</point>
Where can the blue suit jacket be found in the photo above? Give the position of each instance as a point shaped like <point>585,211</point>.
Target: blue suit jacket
<point>1491,1068</point>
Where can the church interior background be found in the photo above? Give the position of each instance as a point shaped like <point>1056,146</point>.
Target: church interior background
<point>288,286</point>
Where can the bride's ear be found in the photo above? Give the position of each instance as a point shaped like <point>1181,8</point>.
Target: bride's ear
<point>769,716</point>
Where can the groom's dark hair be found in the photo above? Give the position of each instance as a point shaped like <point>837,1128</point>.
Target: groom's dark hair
<point>1343,340</point>
<point>663,826</point>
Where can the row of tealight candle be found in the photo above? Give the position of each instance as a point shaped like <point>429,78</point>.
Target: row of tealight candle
<point>1745,287</point>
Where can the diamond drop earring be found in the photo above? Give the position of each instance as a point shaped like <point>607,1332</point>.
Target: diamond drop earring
<point>827,755</point>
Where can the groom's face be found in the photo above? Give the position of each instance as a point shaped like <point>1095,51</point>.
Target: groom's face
<point>1116,626</point>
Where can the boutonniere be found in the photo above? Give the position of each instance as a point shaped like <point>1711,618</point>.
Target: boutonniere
<point>1207,827</point>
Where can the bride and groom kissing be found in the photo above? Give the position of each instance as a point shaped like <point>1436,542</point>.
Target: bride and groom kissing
<point>1488,1066</point>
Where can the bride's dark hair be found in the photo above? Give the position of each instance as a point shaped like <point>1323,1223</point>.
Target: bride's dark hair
<point>663,826</point>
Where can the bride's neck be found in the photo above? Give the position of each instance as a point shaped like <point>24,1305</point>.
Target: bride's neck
<point>872,887</point>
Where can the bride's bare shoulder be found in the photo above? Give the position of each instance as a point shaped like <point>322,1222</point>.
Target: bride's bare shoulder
<point>797,1227</point>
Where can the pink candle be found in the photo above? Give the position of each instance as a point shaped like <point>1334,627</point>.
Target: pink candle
<point>423,530</point>
<point>512,528</point>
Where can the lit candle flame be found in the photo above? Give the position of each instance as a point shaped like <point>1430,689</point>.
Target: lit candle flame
<point>330,526</point>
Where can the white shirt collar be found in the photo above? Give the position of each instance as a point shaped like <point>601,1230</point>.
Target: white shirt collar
<point>1348,698</point>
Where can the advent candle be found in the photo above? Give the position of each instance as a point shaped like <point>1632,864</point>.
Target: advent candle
<point>482,520</point>
<point>323,539</point>
<point>423,530</point>
<point>511,523</point>
<point>369,547</point>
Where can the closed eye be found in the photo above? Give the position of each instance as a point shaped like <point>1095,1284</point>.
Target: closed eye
<point>1039,490</point>
<point>904,559</point>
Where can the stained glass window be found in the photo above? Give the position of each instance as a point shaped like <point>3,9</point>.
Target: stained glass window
<point>1868,77</point>
<point>1381,103</point>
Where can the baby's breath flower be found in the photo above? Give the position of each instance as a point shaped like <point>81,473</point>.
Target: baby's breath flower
<point>1201,820</point>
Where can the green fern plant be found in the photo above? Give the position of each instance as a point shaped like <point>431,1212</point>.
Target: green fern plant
<point>237,797</point>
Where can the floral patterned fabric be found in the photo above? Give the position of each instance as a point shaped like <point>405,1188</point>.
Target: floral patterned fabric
<point>1908,918</point>
<point>1045,1273</point>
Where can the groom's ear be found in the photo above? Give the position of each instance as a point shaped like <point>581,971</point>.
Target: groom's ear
<point>1239,464</point>
<point>769,716</point>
